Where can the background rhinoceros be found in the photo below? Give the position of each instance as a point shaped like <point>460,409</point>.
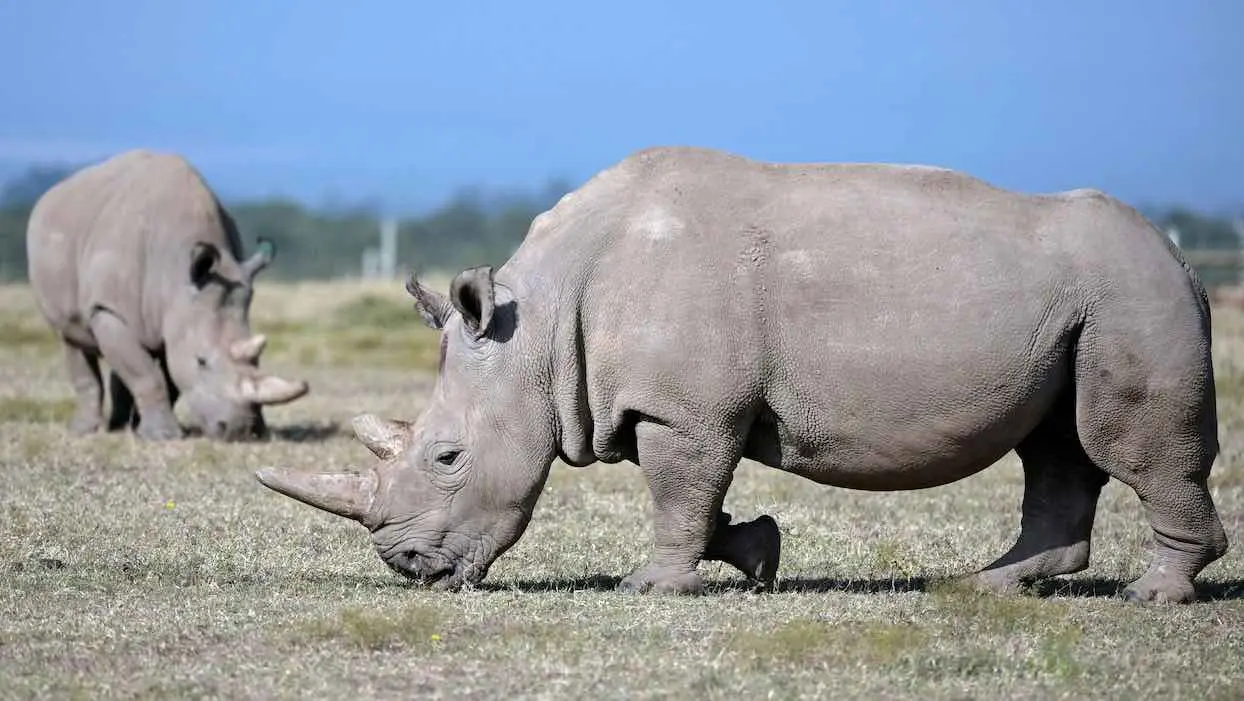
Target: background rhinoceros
<point>135,260</point>
<point>873,327</point>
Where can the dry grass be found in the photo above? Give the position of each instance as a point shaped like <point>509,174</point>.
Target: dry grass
<point>166,571</point>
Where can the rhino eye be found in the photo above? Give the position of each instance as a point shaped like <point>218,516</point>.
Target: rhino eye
<point>202,361</point>
<point>448,457</point>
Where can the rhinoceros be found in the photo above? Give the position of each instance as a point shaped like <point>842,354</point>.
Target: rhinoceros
<point>866,326</point>
<point>135,259</point>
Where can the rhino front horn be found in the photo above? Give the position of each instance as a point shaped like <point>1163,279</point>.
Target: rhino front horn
<point>348,494</point>
<point>270,389</point>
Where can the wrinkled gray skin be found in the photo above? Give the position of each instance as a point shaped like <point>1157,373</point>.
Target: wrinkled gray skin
<point>134,260</point>
<point>873,327</point>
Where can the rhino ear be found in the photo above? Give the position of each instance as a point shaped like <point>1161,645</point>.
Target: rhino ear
<point>261,259</point>
<point>473,295</point>
<point>203,257</point>
<point>430,304</point>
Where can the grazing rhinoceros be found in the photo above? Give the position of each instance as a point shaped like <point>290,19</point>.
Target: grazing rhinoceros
<point>874,327</point>
<point>136,260</point>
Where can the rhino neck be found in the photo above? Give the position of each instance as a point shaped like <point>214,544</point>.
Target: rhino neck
<point>568,382</point>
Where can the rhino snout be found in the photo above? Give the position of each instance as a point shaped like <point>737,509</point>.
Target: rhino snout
<point>445,562</point>
<point>424,569</point>
<point>243,424</point>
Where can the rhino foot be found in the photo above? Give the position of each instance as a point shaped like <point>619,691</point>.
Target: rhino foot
<point>159,428</point>
<point>84,423</point>
<point>990,582</point>
<point>753,548</point>
<point>662,580</point>
<point>761,544</point>
<point>1161,587</point>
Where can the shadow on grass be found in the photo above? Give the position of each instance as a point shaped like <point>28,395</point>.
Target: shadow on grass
<point>305,433</point>
<point>1105,587</point>
<point>796,585</point>
<point>1091,587</point>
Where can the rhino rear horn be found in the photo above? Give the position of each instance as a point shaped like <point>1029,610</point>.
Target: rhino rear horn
<point>271,389</point>
<point>248,349</point>
<point>348,494</point>
<point>384,438</point>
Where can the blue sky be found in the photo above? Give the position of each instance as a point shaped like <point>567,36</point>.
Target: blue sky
<point>401,103</point>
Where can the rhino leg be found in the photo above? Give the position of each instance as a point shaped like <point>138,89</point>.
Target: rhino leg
<point>173,392</point>
<point>1061,488</point>
<point>688,484</point>
<point>87,383</point>
<point>1146,415</point>
<point>123,413</point>
<point>753,548</point>
<point>140,373</point>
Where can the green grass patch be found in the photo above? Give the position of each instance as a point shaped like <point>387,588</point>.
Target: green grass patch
<point>21,327</point>
<point>376,311</point>
<point>411,626</point>
<point>829,644</point>
<point>28,410</point>
<point>366,332</point>
<point>1229,387</point>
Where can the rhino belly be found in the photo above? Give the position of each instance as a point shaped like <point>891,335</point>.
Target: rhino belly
<point>904,427</point>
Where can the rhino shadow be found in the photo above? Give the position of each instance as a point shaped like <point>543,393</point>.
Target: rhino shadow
<point>1087,587</point>
<point>305,432</point>
<point>1109,587</point>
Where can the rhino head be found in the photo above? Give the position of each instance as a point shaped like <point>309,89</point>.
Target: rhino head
<point>212,356</point>
<point>455,489</point>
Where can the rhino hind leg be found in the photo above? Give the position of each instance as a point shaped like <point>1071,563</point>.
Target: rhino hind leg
<point>1061,489</point>
<point>688,483</point>
<point>84,374</point>
<point>140,373</point>
<point>753,548</point>
<point>1146,415</point>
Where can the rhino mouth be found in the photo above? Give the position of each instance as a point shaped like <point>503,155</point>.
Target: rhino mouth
<point>426,570</point>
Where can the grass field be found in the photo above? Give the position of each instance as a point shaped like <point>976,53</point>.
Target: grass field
<point>166,571</point>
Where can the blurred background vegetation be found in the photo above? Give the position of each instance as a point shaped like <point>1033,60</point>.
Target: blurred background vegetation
<point>318,243</point>
<point>472,228</point>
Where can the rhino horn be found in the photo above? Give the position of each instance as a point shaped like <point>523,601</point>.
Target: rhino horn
<point>248,349</point>
<point>348,494</point>
<point>270,389</point>
<point>383,437</point>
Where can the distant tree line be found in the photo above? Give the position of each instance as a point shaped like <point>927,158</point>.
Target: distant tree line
<point>472,228</point>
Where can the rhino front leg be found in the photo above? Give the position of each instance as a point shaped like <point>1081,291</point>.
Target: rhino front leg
<point>87,383</point>
<point>753,548</point>
<point>688,482</point>
<point>123,411</point>
<point>140,373</point>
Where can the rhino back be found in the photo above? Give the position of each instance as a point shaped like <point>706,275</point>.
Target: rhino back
<point>118,235</point>
<point>819,306</point>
